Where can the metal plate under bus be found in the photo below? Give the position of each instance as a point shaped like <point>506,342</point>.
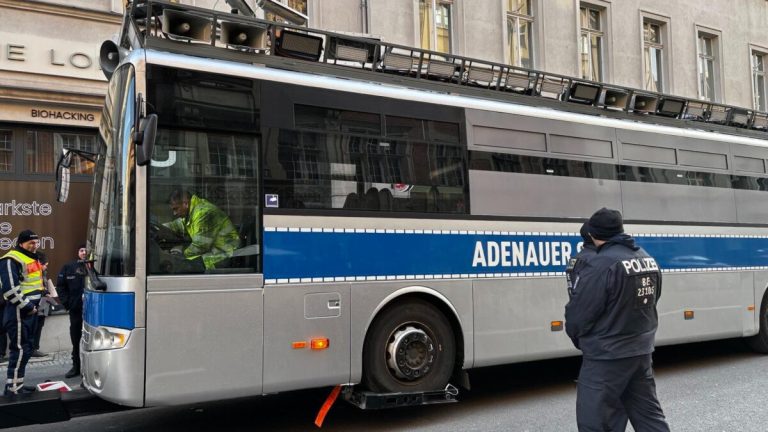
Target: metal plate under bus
<point>371,400</point>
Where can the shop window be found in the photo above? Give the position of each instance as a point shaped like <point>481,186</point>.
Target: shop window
<point>42,149</point>
<point>6,151</point>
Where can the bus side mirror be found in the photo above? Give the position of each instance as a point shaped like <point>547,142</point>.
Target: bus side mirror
<point>144,138</point>
<point>62,175</point>
<point>62,170</point>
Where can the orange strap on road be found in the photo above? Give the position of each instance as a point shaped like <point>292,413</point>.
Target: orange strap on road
<point>327,406</point>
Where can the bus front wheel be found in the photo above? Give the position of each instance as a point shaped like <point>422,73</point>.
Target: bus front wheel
<point>410,347</point>
<point>759,342</point>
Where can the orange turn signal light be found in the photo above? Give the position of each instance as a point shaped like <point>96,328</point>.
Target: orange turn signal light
<point>751,308</point>
<point>556,326</point>
<point>299,344</point>
<point>688,314</point>
<point>319,344</point>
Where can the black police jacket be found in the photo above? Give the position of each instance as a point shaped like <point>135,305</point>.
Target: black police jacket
<point>70,283</point>
<point>612,310</point>
<point>575,264</point>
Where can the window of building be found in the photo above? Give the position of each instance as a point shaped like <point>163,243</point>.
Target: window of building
<point>653,57</point>
<point>520,33</point>
<point>435,22</point>
<point>592,41</point>
<point>758,80</point>
<point>297,5</point>
<point>6,151</point>
<point>708,65</point>
<point>42,149</point>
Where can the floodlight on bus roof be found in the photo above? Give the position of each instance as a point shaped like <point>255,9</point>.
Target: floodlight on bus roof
<point>696,110</point>
<point>759,121</point>
<point>519,80</point>
<point>351,50</point>
<point>395,61</point>
<point>481,75</point>
<point>670,107</point>
<point>740,117</point>
<point>552,86</point>
<point>438,66</point>
<point>718,114</point>
<point>298,45</point>
<point>584,93</point>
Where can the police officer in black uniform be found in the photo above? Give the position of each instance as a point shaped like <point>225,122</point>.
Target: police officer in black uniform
<point>575,264</point>
<point>611,317</point>
<point>70,284</point>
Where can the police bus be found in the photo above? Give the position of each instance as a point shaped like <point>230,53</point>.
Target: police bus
<point>403,215</point>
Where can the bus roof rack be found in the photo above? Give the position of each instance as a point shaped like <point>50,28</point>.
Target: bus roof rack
<point>160,24</point>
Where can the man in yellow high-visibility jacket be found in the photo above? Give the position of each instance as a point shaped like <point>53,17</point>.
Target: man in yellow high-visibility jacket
<point>212,236</point>
<point>21,279</point>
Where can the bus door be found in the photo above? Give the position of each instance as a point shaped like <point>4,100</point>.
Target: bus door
<point>204,289</point>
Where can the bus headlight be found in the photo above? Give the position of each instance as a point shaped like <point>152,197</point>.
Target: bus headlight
<point>105,338</point>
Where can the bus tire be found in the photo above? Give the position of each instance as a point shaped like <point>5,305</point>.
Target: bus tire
<point>410,347</point>
<point>759,342</point>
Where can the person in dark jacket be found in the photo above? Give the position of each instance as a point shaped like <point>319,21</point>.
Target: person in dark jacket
<point>40,313</point>
<point>20,282</point>
<point>611,317</point>
<point>69,285</point>
<point>576,263</point>
<point>573,276</point>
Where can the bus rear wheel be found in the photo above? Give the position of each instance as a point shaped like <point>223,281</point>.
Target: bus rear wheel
<point>759,342</point>
<point>410,347</point>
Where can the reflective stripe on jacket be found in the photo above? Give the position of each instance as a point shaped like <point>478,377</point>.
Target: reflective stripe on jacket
<point>31,273</point>
<point>213,236</point>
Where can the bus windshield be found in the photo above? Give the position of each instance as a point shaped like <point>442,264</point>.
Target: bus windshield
<point>111,223</point>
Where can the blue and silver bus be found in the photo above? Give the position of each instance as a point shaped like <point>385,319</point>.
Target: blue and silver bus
<point>402,215</point>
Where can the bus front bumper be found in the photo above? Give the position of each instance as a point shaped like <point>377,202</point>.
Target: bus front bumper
<point>116,375</point>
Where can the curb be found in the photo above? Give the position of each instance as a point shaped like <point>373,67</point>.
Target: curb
<point>56,358</point>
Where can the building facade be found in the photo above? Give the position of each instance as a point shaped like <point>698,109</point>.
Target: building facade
<point>51,92</point>
<point>710,50</point>
<point>51,87</point>
<point>715,51</point>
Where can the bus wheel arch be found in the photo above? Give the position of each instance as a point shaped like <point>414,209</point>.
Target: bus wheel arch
<point>404,333</point>
<point>759,342</point>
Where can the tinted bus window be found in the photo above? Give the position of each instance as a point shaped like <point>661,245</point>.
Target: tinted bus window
<point>332,170</point>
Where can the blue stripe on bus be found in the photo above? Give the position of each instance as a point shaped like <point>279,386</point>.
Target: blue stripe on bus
<point>109,309</point>
<point>292,254</point>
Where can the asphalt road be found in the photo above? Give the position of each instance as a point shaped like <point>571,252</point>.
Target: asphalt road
<point>713,386</point>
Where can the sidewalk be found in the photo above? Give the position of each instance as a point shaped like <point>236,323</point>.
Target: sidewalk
<point>49,368</point>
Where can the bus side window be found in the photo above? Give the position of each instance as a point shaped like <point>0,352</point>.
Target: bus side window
<point>209,199</point>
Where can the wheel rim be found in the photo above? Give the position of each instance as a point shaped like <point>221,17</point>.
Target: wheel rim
<point>410,353</point>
